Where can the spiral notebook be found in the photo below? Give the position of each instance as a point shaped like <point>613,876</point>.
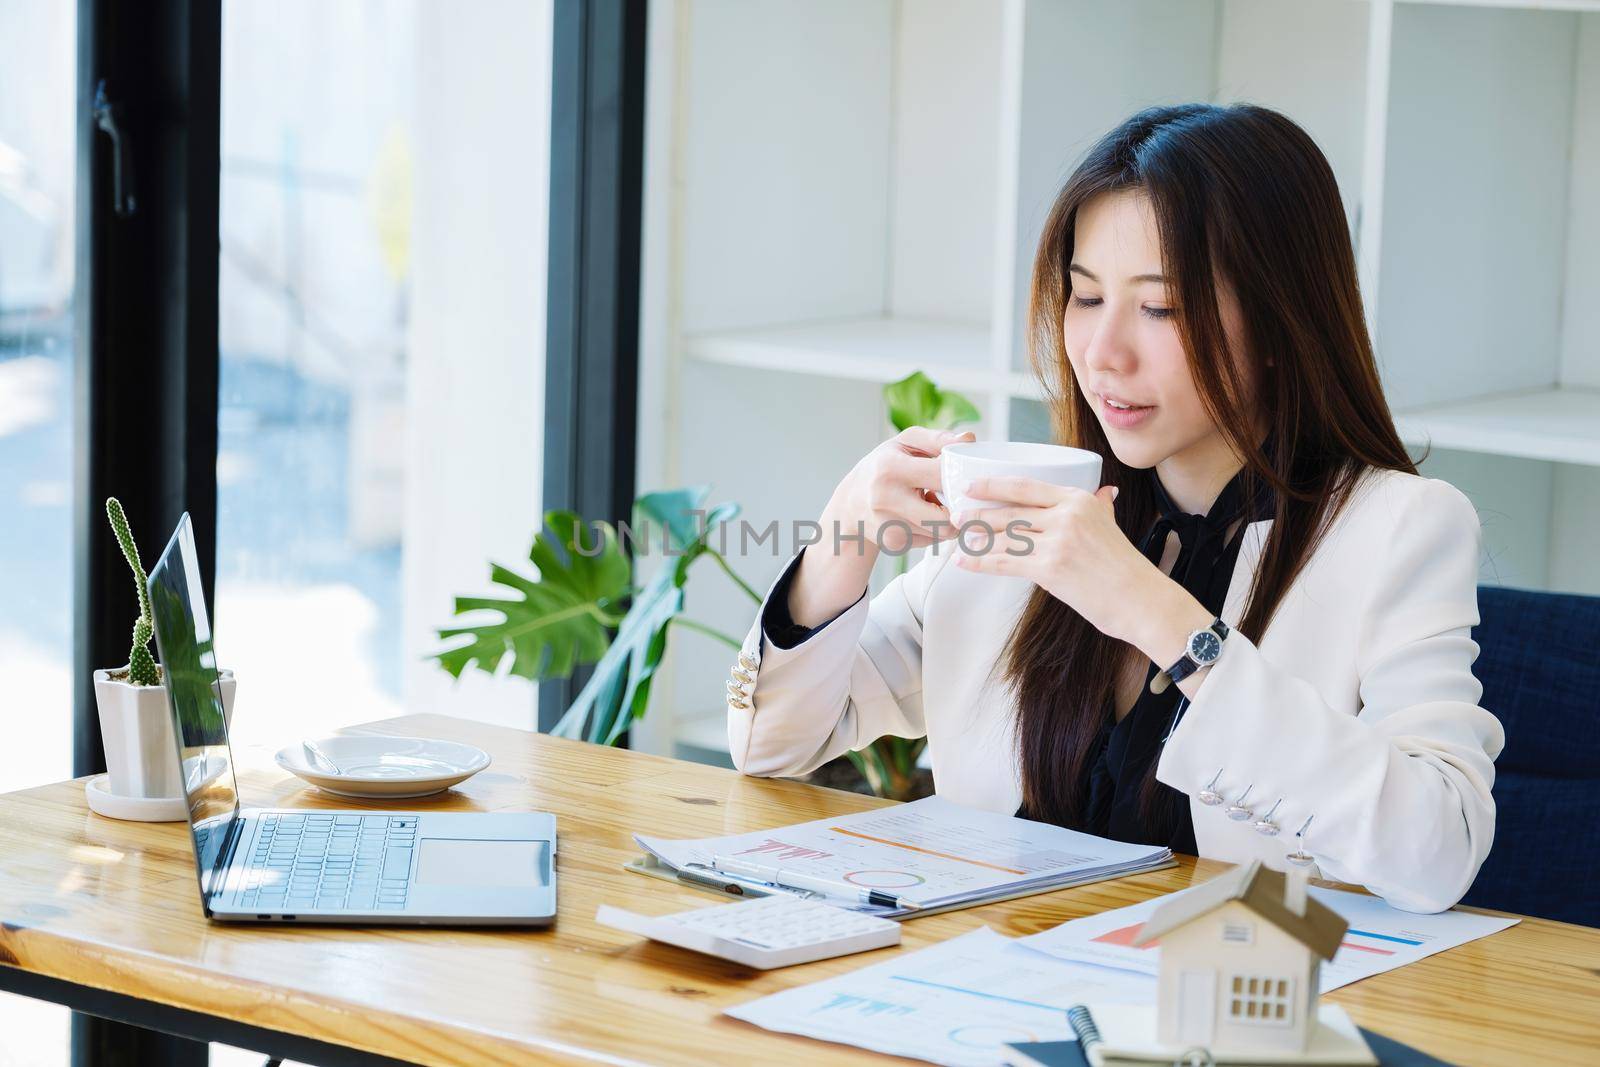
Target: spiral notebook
<point>1123,1035</point>
<point>1390,1053</point>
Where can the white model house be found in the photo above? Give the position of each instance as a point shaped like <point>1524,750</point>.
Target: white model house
<point>1239,959</point>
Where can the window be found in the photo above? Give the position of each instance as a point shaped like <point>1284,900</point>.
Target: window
<point>1238,933</point>
<point>38,166</point>
<point>381,316</point>
<point>1256,999</point>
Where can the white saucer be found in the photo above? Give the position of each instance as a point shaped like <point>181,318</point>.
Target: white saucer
<point>385,767</point>
<point>97,791</point>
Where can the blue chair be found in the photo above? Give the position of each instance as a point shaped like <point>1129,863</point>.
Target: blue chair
<point>1539,662</point>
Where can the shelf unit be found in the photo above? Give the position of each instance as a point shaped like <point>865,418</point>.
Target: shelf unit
<point>839,192</point>
<point>870,350</point>
<point>1560,425</point>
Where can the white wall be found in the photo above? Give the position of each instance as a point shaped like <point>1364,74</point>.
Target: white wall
<point>474,443</point>
<point>1580,311</point>
<point>1475,201</point>
<point>1575,515</point>
<point>791,227</point>
<point>945,146</point>
<point>1254,67</point>
<point>1513,497</point>
<point>1072,95</point>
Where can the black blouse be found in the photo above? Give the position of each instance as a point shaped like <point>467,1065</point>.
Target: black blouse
<point>1125,750</point>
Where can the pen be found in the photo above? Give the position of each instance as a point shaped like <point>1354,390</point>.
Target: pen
<point>826,886</point>
<point>736,885</point>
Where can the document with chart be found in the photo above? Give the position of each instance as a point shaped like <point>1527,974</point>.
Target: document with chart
<point>934,853</point>
<point>1379,938</point>
<point>959,1002</point>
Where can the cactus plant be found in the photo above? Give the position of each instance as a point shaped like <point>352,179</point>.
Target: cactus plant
<point>141,664</point>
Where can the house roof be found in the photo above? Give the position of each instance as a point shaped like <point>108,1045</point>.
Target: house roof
<point>1261,890</point>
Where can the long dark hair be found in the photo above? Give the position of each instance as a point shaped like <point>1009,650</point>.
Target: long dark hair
<point>1239,193</point>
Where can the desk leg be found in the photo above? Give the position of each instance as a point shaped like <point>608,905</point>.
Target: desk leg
<point>102,1043</point>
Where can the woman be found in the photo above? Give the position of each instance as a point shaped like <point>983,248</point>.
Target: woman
<point>1196,320</point>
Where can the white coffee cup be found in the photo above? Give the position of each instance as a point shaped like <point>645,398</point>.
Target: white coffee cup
<point>960,464</point>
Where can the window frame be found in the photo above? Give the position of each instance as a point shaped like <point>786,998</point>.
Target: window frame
<point>592,334</point>
<point>147,326</point>
<point>145,388</point>
<point>145,378</point>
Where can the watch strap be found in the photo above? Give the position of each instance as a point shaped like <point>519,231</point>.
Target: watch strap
<point>1185,664</point>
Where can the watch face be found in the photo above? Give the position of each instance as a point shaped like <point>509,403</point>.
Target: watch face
<point>1205,646</point>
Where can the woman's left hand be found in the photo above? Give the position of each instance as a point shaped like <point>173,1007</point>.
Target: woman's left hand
<point>1066,540</point>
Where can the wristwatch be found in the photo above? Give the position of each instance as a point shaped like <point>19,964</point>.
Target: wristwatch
<point>1203,649</point>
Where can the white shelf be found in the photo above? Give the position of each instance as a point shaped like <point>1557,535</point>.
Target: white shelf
<point>956,355</point>
<point>1561,425</point>
<point>1527,5</point>
<point>805,248</point>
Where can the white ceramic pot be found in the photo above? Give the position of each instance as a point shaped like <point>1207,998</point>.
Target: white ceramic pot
<point>136,729</point>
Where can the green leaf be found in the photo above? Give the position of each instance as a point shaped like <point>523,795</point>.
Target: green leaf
<point>903,752</point>
<point>554,623</point>
<point>618,692</point>
<point>678,512</point>
<point>889,765</point>
<point>864,768</point>
<point>916,401</point>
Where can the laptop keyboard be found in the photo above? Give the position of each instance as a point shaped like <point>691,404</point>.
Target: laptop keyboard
<point>306,861</point>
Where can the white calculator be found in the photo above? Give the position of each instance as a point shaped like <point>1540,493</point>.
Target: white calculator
<point>775,931</point>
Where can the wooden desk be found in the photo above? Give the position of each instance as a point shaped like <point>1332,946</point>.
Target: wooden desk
<point>104,916</point>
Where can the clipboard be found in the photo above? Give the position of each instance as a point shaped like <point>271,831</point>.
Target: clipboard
<point>647,864</point>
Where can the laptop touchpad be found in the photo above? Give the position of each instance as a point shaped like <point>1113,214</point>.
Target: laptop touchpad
<point>483,864</point>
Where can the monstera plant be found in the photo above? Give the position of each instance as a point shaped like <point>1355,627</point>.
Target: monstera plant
<point>585,608</point>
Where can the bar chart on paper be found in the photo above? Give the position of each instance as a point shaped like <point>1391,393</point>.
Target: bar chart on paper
<point>1379,938</point>
<point>865,1006</point>
<point>772,851</point>
<point>854,859</point>
<point>782,851</point>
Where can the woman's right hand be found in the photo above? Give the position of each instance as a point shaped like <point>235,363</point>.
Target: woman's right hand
<point>886,499</point>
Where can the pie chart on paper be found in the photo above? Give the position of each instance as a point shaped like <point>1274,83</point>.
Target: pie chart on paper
<point>884,879</point>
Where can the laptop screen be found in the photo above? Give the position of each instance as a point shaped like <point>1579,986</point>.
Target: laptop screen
<point>189,669</point>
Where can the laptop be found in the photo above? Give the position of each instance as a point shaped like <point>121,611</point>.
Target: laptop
<point>328,866</point>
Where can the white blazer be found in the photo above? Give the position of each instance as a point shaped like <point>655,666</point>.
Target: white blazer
<point>1358,706</point>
